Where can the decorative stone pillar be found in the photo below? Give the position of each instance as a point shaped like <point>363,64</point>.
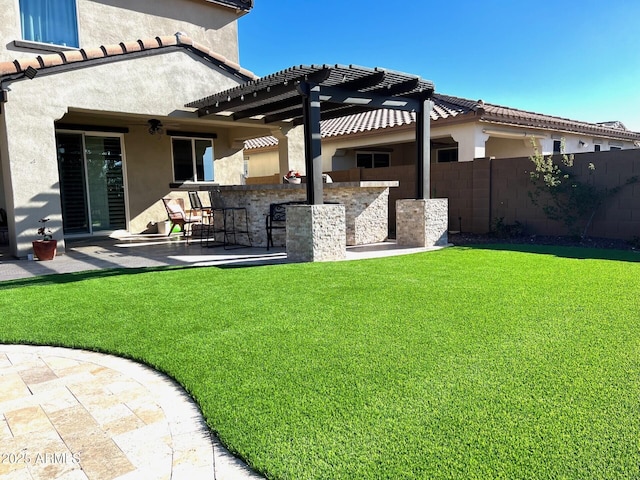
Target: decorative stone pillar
<point>316,233</point>
<point>422,223</point>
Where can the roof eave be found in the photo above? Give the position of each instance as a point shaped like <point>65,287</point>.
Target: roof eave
<point>559,126</point>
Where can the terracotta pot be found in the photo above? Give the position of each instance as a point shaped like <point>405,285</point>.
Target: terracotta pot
<point>45,249</point>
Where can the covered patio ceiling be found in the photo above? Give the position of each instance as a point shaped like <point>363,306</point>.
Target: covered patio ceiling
<point>305,95</point>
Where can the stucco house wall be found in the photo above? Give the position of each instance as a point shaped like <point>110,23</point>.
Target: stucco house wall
<point>145,85</point>
<point>473,140</point>
<point>105,22</point>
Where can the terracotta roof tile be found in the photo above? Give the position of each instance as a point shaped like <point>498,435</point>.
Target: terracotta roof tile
<point>448,107</point>
<point>167,40</point>
<point>71,56</point>
<point>25,63</point>
<point>112,50</point>
<point>92,53</point>
<point>261,142</point>
<point>9,68</point>
<point>150,43</point>
<point>122,48</point>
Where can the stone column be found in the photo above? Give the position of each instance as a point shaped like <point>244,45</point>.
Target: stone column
<point>316,233</point>
<point>422,223</point>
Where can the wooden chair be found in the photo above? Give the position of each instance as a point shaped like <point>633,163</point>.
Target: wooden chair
<point>177,215</point>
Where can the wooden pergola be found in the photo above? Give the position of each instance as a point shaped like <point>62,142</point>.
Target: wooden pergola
<point>305,95</point>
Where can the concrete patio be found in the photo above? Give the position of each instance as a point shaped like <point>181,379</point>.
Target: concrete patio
<point>144,251</point>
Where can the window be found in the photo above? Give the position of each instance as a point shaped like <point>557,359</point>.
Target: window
<point>557,146</point>
<point>372,159</point>
<point>596,148</point>
<point>446,155</point>
<point>53,21</point>
<point>615,148</point>
<point>192,159</point>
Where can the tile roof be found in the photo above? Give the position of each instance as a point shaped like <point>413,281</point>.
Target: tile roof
<point>72,58</point>
<point>449,109</point>
<point>262,142</point>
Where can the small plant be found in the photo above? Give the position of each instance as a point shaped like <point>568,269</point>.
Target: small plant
<point>45,231</point>
<point>292,174</point>
<point>635,242</point>
<point>508,230</point>
<point>563,197</point>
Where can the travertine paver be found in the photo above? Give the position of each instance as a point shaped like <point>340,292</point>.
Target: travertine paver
<point>78,415</point>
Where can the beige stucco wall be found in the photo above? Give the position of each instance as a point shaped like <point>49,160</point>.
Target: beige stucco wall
<point>103,22</point>
<point>339,153</point>
<point>507,147</point>
<point>145,85</point>
<point>262,162</point>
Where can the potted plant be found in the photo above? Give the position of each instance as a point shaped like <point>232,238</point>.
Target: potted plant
<point>293,176</point>
<point>46,247</point>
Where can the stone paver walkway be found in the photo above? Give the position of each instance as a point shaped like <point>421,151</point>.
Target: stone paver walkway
<point>78,415</point>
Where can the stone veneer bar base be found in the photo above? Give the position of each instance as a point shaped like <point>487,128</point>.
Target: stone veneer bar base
<point>422,223</point>
<point>316,233</point>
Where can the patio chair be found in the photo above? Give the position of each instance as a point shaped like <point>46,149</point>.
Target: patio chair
<point>205,212</point>
<point>277,219</point>
<point>234,222</point>
<point>177,215</point>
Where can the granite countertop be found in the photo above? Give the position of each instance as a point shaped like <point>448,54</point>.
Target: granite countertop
<point>203,186</point>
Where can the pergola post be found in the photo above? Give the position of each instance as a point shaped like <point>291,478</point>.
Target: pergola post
<point>423,145</point>
<point>422,222</point>
<point>312,141</point>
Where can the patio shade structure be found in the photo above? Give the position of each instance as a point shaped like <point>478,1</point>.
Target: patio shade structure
<point>305,95</point>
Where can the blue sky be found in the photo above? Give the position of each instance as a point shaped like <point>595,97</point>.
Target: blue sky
<point>578,59</point>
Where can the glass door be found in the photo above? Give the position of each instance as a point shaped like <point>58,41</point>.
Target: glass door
<point>91,183</point>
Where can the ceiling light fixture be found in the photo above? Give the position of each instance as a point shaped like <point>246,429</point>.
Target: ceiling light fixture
<point>155,127</point>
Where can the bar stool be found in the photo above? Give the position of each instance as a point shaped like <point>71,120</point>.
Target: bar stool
<point>205,213</point>
<point>234,222</point>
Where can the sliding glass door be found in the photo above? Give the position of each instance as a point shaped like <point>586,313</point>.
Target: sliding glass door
<point>91,183</point>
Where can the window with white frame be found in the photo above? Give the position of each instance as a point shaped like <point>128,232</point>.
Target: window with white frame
<point>192,159</point>
<point>50,21</point>
<point>373,159</point>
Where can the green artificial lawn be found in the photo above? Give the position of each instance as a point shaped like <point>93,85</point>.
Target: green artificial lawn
<point>464,363</point>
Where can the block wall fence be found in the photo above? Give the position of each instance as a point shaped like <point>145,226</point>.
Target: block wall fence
<point>484,190</point>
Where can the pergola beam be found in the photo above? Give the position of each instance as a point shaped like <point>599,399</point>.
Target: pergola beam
<point>268,108</point>
<point>260,94</point>
<point>370,99</point>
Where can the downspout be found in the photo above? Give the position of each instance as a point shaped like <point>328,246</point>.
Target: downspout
<point>29,73</point>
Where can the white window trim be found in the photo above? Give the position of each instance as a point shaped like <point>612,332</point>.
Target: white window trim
<point>47,47</point>
<point>193,158</point>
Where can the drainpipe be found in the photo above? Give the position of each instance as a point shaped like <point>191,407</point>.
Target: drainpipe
<point>29,73</point>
